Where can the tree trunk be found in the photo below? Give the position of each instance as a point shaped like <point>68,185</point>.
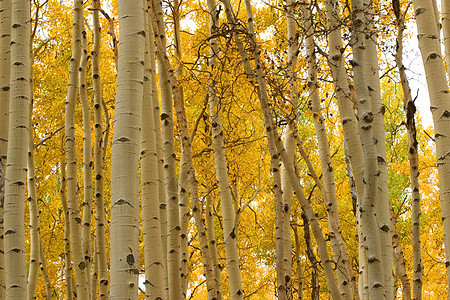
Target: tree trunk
<point>368,219</point>
<point>170,177</point>
<point>212,243</point>
<point>34,215</point>
<point>226,198</point>
<point>413,156</point>
<point>347,105</point>
<point>186,144</point>
<point>289,142</point>
<point>153,256</point>
<point>5,41</point>
<point>44,271</point>
<point>87,158</point>
<point>99,147</point>
<point>344,272</point>
<point>16,168</point>
<point>70,295</point>
<point>124,228</point>
<point>72,186</point>
<point>429,44</point>
<point>159,154</point>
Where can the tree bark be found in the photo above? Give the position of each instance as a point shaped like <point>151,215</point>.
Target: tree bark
<point>67,253</point>
<point>429,44</point>
<point>5,40</point>
<point>99,147</point>
<point>124,228</point>
<point>87,157</point>
<point>186,144</point>
<point>212,243</point>
<point>413,156</point>
<point>33,271</point>
<point>226,198</point>
<point>361,23</point>
<point>344,272</point>
<point>153,256</point>
<point>170,177</point>
<point>16,168</point>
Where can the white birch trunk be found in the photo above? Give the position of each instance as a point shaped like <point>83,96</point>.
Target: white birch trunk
<point>445,5</point>
<point>368,219</point>
<point>212,243</point>
<point>429,44</point>
<point>153,256</point>
<point>5,40</point>
<point>159,154</point>
<point>67,253</point>
<point>186,144</point>
<point>99,146</point>
<point>16,168</point>
<point>413,156</point>
<point>226,198</point>
<point>44,271</point>
<point>347,106</point>
<point>289,142</point>
<point>87,158</point>
<point>124,228</point>
<point>71,158</point>
<point>344,272</point>
<point>170,177</point>
<point>34,215</point>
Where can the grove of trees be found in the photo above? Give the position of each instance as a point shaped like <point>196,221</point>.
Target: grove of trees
<point>217,149</point>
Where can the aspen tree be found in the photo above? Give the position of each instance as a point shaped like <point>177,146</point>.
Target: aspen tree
<point>446,30</point>
<point>5,40</point>
<point>183,200</point>
<point>346,104</point>
<point>289,142</point>
<point>99,147</point>
<point>378,109</point>
<point>124,228</point>
<point>428,37</point>
<point>273,139</point>
<point>173,215</point>
<point>159,153</point>
<point>67,253</point>
<point>289,145</point>
<point>154,267</point>
<point>33,271</point>
<point>71,158</point>
<point>315,288</point>
<point>299,264</point>
<point>94,274</point>
<point>183,194</point>
<point>87,156</point>
<point>226,198</point>
<point>400,263</point>
<point>344,272</point>
<point>276,147</point>
<point>44,270</point>
<point>361,23</point>
<point>212,243</point>
<point>186,144</point>
<point>410,109</point>
<point>16,168</point>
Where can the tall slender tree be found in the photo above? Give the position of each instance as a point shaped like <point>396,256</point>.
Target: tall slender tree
<point>153,256</point>
<point>71,156</point>
<point>99,149</point>
<point>428,36</point>
<point>16,168</point>
<point>125,152</point>
<point>5,40</point>
<point>170,177</point>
